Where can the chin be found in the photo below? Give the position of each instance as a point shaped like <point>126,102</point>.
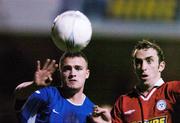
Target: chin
<point>73,87</point>
<point>145,80</point>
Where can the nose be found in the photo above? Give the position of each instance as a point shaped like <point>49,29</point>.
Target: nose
<point>144,66</point>
<point>72,73</point>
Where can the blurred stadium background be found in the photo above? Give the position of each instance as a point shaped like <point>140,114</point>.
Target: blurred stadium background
<point>117,24</point>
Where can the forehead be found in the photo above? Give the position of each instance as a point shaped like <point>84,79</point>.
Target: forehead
<point>80,61</point>
<point>144,53</point>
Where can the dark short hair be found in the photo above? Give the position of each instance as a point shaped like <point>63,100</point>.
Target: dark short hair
<point>72,55</point>
<point>145,44</point>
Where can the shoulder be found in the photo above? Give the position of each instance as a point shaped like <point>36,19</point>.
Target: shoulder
<point>46,92</point>
<point>48,89</point>
<point>130,96</point>
<point>175,82</point>
<point>171,86</point>
<point>47,95</point>
<point>88,102</point>
<point>170,90</point>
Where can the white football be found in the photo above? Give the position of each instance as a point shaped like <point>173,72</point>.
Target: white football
<point>71,31</point>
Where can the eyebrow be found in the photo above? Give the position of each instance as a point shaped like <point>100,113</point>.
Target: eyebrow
<point>149,57</point>
<point>73,66</point>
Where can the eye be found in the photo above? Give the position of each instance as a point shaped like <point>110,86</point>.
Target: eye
<point>137,62</point>
<point>66,68</point>
<point>78,67</point>
<point>149,60</point>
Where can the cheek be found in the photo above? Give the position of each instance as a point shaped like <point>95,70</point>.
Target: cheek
<point>155,69</point>
<point>64,75</point>
<point>83,76</point>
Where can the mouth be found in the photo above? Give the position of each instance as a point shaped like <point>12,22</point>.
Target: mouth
<point>72,80</point>
<point>143,76</point>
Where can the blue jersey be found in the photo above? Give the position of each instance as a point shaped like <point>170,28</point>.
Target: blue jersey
<point>47,105</point>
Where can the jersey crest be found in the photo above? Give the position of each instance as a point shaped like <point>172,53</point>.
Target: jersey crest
<point>161,105</point>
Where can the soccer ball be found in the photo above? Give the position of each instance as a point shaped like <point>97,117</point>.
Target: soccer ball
<point>71,31</point>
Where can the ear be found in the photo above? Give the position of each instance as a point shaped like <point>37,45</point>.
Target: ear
<point>87,73</point>
<point>162,66</point>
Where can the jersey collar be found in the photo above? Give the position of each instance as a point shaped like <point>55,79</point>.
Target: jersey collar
<point>159,83</point>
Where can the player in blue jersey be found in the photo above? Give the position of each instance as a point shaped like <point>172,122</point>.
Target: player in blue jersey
<point>64,104</point>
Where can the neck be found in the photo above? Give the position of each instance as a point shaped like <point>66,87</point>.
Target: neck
<point>77,99</point>
<point>74,96</point>
<point>146,87</point>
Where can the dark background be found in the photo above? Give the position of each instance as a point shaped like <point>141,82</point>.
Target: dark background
<point>109,62</point>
